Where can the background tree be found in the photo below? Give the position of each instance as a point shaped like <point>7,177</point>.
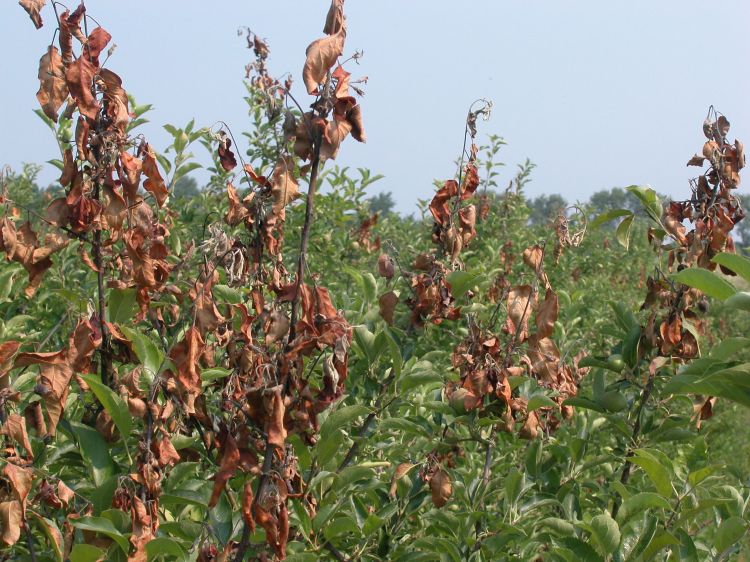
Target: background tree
<point>382,203</point>
<point>614,198</point>
<point>542,209</point>
<point>186,187</point>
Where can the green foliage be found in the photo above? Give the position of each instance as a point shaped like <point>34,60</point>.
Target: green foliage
<point>636,473</point>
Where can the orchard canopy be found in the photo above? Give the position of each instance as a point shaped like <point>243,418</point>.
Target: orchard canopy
<point>269,363</point>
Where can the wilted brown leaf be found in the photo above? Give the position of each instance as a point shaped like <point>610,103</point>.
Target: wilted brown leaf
<point>321,56</point>
<point>520,306</point>
<point>335,20</point>
<point>441,488</point>
<point>22,246</point>
<point>284,186</point>
<point>275,420</point>
<point>546,316</point>
<point>115,99</point>
<point>10,522</point>
<point>247,503</point>
<point>230,460</point>
<point>20,480</point>
<point>15,428</point>
<point>79,77</point>
<point>53,90</point>
<point>226,156</point>
<point>386,266</point>
<point>401,470</point>
<point>155,183</point>
<point>33,7</point>
<point>388,302</point>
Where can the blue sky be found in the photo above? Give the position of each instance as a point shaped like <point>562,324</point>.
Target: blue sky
<point>597,93</point>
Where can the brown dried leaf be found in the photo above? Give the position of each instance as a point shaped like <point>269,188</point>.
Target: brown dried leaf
<point>20,480</point>
<point>230,460</point>
<point>386,266</point>
<point>226,156</point>
<point>79,77</point>
<point>33,7</point>
<point>115,99</point>
<point>7,350</point>
<point>155,183</point>
<point>53,90</point>
<point>186,356</point>
<point>11,520</point>
<point>284,186</point>
<point>530,427</point>
<point>321,56</point>
<point>247,503</point>
<point>520,306</point>
<point>275,421</point>
<point>401,470</point>
<point>388,302</point>
<point>547,314</point>
<point>65,494</point>
<point>15,428</point>
<point>441,488</point>
<point>335,20</point>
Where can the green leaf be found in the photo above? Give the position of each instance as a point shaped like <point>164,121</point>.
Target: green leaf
<point>648,532</point>
<point>419,379</point>
<point>365,341</point>
<point>641,502</point>
<point>370,285</point>
<point>580,402</point>
<point>737,263</point>
<point>605,532</point>
<point>540,401</point>
<point>583,551</point>
<point>461,281</point>
<point>608,216</point>
<point>340,526</point>
<point>326,449</point>
<point>706,281</point>
<point>513,485</point>
<point>121,306</point>
<point>187,497</point>
<point>113,404</point>
<point>6,281</point>
<point>397,360</point>
<point>372,524</point>
<point>95,452</point>
<point>302,557</point>
<point>104,527</point>
<point>623,231</point>
<point>166,549</point>
<point>649,200</point>
<point>560,527</point>
<point>149,354</point>
<point>350,475</point>
<point>210,375</point>
<point>52,532</point>
<point>732,383</point>
<point>630,346</point>
<point>342,417</point>
<point>656,471</point>
<point>83,552</point>
<point>729,532</point>
<point>662,540</point>
<point>227,294</point>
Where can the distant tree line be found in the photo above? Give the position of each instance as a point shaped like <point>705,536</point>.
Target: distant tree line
<point>22,188</point>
